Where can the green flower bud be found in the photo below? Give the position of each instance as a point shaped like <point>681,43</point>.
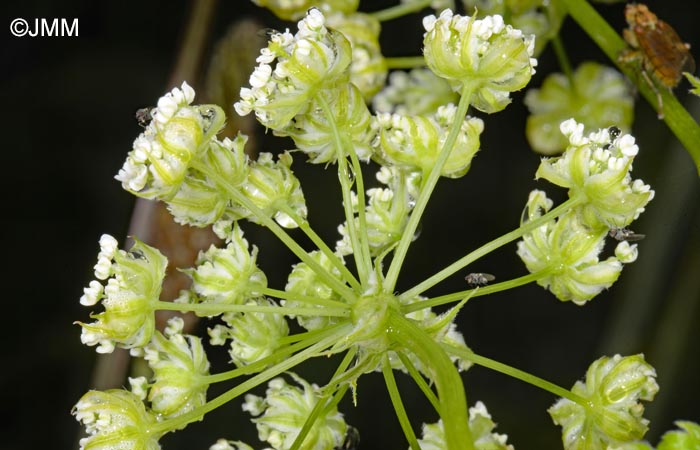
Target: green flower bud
<point>598,167</point>
<point>254,335</point>
<point>612,414</point>
<point>600,97</point>
<point>129,298</point>
<point>284,411</point>
<point>312,60</point>
<point>414,143</point>
<point>687,439</point>
<point>368,69</point>
<point>199,201</point>
<point>639,445</point>
<point>115,420</point>
<point>568,250</point>
<point>495,58</point>
<point>229,275</point>
<point>481,426</point>
<point>178,363</point>
<point>296,9</point>
<point>270,186</point>
<point>315,135</point>
<point>418,92</point>
<point>303,280</point>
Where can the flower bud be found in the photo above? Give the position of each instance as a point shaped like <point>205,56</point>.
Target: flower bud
<point>255,335</point>
<point>415,142</point>
<point>481,426</point>
<point>312,60</point>
<point>270,186</point>
<point>303,280</point>
<point>115,420</point>
<point>494,57</point>
<point>599,97</point>
<point>568,252</point>
<point>178,363</point>
<point>597,167</point>
<point>129,300</point>
<point>228,275</point>
<point>161,155</point>
<point>284,411</point>
<point>612,414</point>
<point>314,135</point>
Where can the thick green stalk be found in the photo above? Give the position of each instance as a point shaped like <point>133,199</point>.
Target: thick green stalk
<point>427,189</point>
<point>452,399</point>
<point>676,117</point>
<point>284,295</point>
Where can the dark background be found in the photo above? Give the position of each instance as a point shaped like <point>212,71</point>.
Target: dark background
<point>67,124</point>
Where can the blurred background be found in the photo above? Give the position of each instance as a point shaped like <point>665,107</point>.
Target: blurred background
<point>68,122</point>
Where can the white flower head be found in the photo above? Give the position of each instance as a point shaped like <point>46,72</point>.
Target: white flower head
<point>463,49</point>
<point>596,167</point>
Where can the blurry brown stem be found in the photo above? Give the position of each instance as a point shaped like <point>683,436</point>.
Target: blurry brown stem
<point>110,370</point>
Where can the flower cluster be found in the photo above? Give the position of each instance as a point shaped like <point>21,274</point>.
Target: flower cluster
<point>612,412</point>
<point>595,96</point>
<point>565,252</point>
<point>314,87</point>
<point>134,281</point>
<point>486,55</point>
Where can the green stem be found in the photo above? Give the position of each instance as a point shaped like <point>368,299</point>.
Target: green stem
<point>358,241</point>
<point>277,230</point>
<point>293,297</point>
<point>439,368</point>
<point>305,340</point>
<point>676,117</point>
<point>515,373</point>
<point>491,246</point>
<point>404,62</point>
<point>395,396</point>
<point>476,292</point>
<point>427,188</point>
<point>563,59</point>
<point>322,405</point>
<point>362,211</point>
<point>400,10</point>
<point>218,308</point>
<point>316,239</point>
<point>197,413</point>
<point>420,381</point>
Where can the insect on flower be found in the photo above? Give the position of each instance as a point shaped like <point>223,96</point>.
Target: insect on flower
<point>479,279</point>
<point>625,234</point>
<point>143,116</point>
<point>658,47</point>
